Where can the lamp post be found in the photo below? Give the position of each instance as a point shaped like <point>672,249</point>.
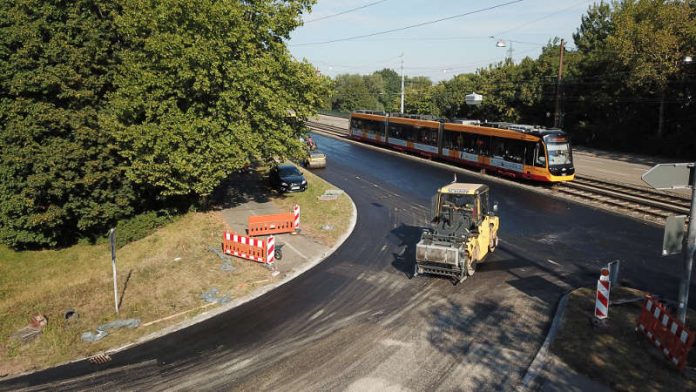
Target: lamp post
<point>558,117</point>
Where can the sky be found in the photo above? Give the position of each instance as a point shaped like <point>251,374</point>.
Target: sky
<point>461,43</point>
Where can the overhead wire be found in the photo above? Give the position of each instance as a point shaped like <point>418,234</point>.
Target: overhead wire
<point>344,12</point>
<point>410,26</point>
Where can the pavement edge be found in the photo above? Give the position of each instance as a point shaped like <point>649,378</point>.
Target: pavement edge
<point>542,357</point>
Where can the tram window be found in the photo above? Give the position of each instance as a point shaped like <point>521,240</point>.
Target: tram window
<point>540,155</point>
<point>529,153</point>
<point>483,144</point>
<point>410,133</point>
<point>470,143</point>
<point>396,131</point>
<point>514,150</point>
<point>498,146</point>
<point>355,123</point>
<point>428,136</point>
<point>451,140</point>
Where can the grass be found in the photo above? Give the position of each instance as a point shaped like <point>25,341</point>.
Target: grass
<point>161,275</point>
<point>616,356</point>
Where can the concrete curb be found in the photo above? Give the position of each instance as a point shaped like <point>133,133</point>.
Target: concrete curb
<point>541,358</point>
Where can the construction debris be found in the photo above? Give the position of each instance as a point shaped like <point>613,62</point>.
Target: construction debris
<point>31,331</point>
<point>101,331</point>
<point>211,296</point>
<point>92,337</point>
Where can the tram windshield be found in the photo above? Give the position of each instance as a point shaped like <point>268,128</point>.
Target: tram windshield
<point>559,154</point>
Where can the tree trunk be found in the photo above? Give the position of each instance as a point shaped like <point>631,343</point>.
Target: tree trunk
<point>661,119</point>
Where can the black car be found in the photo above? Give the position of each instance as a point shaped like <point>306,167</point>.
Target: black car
<point>287,178</point>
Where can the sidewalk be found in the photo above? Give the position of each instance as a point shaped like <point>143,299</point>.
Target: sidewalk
<point>299,251</point>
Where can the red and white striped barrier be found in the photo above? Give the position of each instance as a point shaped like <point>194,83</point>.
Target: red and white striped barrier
<point>270,249</point>
<point>667,333</point>
<point>249,248</point>
<point>296,212</point>
<point>602,302</point>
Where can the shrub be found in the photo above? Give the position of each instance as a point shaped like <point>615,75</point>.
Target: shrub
<point>140,226</point>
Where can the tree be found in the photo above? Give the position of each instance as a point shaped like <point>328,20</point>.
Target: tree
<point>419,96</point>
<point>204,88</point>
<point>649,39</point>
<point>351,93</point>
<point>60,175</point>
<point>107,110</point>
<point>392,87</point>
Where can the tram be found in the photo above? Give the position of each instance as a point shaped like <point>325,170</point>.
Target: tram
<point>514,150</point>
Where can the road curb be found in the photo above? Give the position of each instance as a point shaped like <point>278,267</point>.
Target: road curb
<point>542,357</point>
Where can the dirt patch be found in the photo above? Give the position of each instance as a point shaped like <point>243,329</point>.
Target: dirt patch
<point>616,356</point>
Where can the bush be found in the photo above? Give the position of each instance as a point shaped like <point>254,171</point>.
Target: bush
<point>140,226</point>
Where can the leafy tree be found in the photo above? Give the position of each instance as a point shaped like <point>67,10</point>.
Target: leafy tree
<point>206,86</point>
<point>392,87</point>
<point>418,96</point>
<point>60,175</point>
<point>449,96</point>
<point>650,39</point>
<point>110,109</point>
<point>351,93</point>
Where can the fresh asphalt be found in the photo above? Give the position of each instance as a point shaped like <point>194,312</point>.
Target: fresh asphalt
<point>359,321</point>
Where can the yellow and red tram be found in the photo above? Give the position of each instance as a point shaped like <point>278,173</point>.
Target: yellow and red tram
<point>515,150</point>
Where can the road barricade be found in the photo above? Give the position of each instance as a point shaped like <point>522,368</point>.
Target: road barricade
<point>602,300</point>
<point>274,224</point>
<point>666,332</point>
<point>249,248</point>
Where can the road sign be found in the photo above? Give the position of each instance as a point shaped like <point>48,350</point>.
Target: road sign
<point>675,228</point>
<point>670,176</point>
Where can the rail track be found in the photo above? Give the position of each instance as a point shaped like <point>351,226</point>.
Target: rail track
<point>640,202</point>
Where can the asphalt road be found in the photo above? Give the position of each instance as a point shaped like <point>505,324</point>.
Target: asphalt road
<point>359,322</point>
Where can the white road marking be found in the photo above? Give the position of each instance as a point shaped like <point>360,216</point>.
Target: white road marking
<point>317,314</point>
<point>383,248</point>
<point>553,262</point>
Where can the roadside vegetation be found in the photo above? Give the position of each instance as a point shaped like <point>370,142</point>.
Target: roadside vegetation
<point>162,275</point>
<point>110,110</point>
<point>617,356</point>
<point>626,84</point>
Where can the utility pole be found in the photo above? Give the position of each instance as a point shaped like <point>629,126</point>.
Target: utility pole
<point>557,118</point>
<point>402,83</point>
<point>112,240</point>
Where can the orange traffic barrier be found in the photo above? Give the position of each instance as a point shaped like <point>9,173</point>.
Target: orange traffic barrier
<point>274,224</point>
<point>667,333</point>
<point>249,248</point>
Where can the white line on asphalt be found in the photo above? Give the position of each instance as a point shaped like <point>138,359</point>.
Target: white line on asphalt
<point>553,262</point>
<point>383,248</point>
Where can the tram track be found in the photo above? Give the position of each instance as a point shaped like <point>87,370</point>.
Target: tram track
<point>640,202</point>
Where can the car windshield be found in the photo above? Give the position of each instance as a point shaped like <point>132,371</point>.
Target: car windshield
<point>559,154</point>
<point>288,171</point>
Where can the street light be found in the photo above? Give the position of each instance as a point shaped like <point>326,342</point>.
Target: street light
<point>502,44</point>
<point>688,60</point>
